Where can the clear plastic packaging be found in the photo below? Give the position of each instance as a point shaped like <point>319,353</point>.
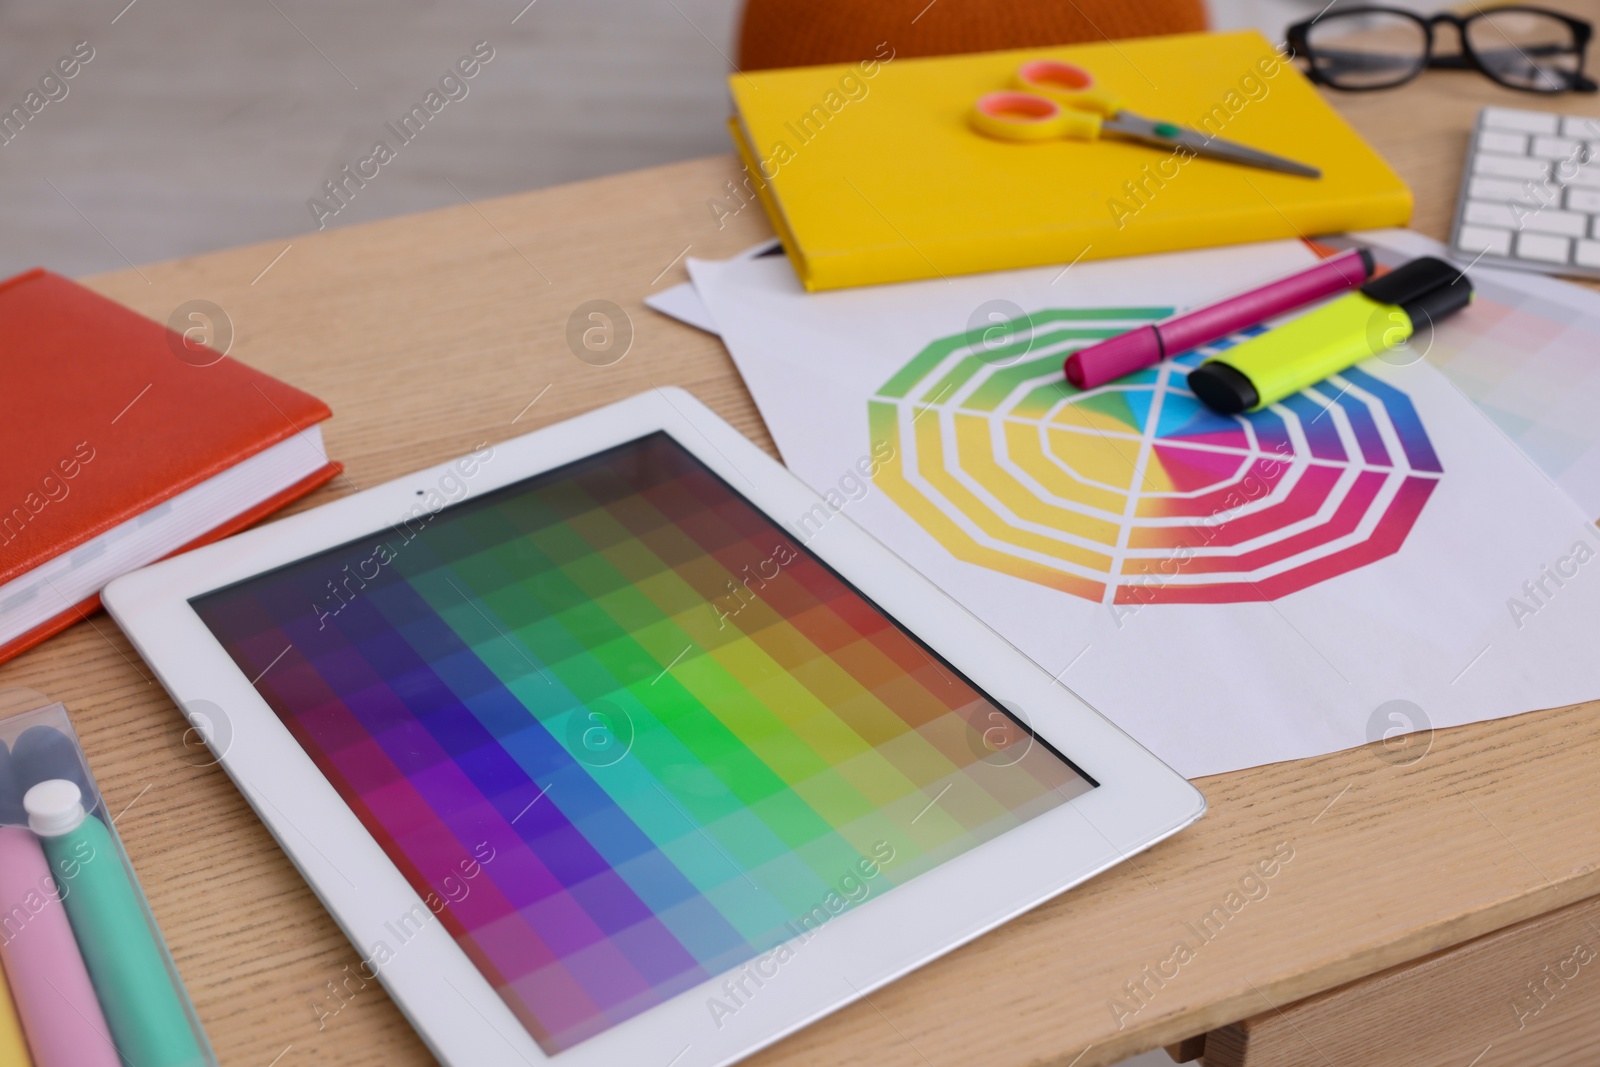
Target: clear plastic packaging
<point>86,970</point>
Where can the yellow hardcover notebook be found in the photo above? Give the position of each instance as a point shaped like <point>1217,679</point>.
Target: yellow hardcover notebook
<point>871,173</point>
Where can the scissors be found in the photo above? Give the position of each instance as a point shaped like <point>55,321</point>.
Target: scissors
<point>1051,99</point>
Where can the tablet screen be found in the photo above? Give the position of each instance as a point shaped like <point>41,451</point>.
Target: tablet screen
<point>623,733</point>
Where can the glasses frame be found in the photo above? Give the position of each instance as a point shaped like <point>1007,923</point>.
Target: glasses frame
<point>1468,59</point>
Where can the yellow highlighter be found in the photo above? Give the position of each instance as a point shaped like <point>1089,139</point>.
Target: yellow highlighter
<point>13,1046</point>
<point>1384,313</point>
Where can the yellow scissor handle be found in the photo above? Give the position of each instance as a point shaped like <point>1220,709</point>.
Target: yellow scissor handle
<point>1066,84</point>
<point>1014,116</point>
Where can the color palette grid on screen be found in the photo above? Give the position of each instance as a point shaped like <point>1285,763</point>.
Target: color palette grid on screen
<point>663,737</point>
<point>1135,492</point>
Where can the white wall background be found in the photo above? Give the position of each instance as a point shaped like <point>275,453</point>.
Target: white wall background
<point>202,125</point>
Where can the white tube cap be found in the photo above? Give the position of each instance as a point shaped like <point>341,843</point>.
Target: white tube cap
<point>54,807</point>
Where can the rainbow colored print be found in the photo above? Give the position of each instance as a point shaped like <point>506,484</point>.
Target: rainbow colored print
<point>1135,492</point>
<point>662,737</point>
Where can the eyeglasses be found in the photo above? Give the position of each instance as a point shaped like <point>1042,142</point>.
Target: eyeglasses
<point>1525,48</point>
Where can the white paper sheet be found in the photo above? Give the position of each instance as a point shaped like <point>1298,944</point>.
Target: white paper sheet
<point>1527,353</point>
<point>1480,600</point>
<point>681,302</point>
<point>1524,353</point>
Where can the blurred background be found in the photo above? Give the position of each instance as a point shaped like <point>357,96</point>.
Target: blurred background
<point>196,127</point>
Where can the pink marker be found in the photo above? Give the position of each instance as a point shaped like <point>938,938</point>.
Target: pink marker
<point>1145,346</point>
<point>49,982</point>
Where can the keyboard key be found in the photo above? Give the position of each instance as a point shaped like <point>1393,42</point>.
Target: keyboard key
<point>1568,223</point>
<point>1583,200</point>
<point>1476,239</point>
<point>1585,126</point>
<point>1511,166</point>
<point>1507,118</point>
<point>1491,213</point>
<point>1540,247</point>
<point>1531,193</point>
<point>1498,189</point>
<point>1555,148</point>
<point>1514,215</point>
<point>1515,144</point>
<point>1564,170</point>
<point>1587,175</point>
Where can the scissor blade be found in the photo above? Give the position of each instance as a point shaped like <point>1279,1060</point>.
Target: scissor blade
<point>1169,135</point>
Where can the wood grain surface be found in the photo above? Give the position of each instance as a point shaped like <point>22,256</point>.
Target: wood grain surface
<point>1525,996</point>
<point>431,333</point>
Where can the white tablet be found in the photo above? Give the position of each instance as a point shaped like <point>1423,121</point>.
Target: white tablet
<point>614,743</point>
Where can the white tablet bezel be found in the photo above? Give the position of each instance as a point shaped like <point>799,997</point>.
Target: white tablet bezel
<point>1138,802</point>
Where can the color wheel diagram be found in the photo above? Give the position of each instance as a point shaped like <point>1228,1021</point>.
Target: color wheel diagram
<point>1134,492</point>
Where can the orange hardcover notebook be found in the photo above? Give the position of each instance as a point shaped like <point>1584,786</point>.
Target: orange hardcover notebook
<point>125,443</point>
<point>872,173</point>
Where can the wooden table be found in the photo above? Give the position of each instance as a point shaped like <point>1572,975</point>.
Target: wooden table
<point>431,333</point>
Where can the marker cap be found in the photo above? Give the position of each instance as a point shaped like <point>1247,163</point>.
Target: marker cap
<point>1222,388</point>
<point>41,753</point>
<point>1438,303</point>
<point>1112,358</point>
<point>54,807</point>
<point>1412,280</point>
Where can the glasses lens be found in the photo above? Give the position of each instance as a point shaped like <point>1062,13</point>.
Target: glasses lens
<point>1366,49</point>
<point>1525,49</point>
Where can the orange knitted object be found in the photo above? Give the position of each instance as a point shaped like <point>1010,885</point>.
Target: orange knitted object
<point>798,33</point>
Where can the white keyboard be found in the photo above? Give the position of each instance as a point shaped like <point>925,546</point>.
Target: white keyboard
<point>1530,197</point>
